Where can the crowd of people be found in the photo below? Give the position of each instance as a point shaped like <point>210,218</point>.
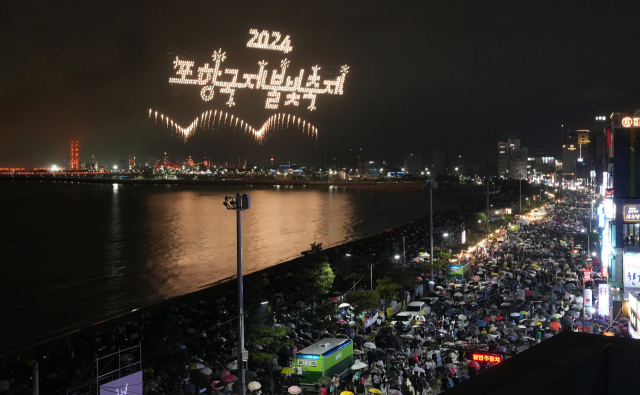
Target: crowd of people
<point>521,290</point>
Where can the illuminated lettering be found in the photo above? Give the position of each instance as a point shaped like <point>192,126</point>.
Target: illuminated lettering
<point>293,87</point>
<point>260,40</point>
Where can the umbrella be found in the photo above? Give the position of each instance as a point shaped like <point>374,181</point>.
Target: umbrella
<point>196,366</point>
<point>324,380</point>
<point>288,370</point>
<point>254,385</point>
<point>343,305</point>
<point>358,365</point>
<point>295,390</point>
<point>229,378</point>
<point>375,391</point>
<point>369,345</point>
<point>346,393</point>
<point>394,392</point>
<point>206,371</point>
<point>419,370</point>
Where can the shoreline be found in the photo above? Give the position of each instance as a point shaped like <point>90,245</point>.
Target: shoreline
<point>366,185</point>
<point>221,285</point>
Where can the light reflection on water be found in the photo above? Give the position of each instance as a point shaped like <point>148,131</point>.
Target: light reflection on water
<point>75,254</point>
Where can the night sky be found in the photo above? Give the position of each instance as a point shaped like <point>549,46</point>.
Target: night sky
<point>423,75</point>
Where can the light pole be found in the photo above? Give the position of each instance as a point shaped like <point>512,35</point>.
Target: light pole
<point>446,235</point>
<point>520,195</point>
<point>397,257</point>
<point>487,219</point>
<point>239,204</point>
<point>431,185</point>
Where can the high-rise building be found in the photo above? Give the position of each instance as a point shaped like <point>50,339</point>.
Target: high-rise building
<point>620,252</point>
<point>440,162</point>
<point>503,159</point>
<point>413,164</point>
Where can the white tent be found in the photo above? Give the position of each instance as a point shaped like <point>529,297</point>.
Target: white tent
<point>522,221</point>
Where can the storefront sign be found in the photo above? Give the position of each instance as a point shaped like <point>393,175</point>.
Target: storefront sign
<point>630,122</point>
<point>588,298</point>
<point>608,208</point>
<point>631,265</point>
<point>632,213</point>
<point>481,357</point>
<point>603,299</point>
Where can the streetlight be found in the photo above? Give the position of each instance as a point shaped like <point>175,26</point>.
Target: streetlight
<point>371,264</point>
<point>239,204</point>
<point>431,185</point>
<point>446,235</point>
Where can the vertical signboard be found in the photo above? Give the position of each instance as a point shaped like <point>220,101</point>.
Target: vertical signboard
<point>463,237</point>
<point>588,298</point>
<point>131,384</point>
<point>603,299</point>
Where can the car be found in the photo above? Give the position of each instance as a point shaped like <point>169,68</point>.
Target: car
<point>416,307</point>
<point>402,321</point>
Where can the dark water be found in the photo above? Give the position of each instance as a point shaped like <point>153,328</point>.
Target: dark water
<point>74,254</point>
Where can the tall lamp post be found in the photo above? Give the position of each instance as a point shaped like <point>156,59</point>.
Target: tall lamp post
<point>239,203</point>
<point>431,185</point>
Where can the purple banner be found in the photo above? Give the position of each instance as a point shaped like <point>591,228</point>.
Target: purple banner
<point>131,385</point>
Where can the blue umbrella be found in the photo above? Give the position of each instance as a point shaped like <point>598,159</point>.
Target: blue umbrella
<point>511,338</point>
<point>343,312</point>
<point>481,323</point>
<point>464,378</point>
<point>476,317</point>
<point>448,312</point>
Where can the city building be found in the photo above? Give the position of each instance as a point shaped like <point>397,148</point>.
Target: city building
<point>440,162</point>
<point>413,164</point>
<point>620,213</point>
<point>518,169</point>
<point>503,159</point>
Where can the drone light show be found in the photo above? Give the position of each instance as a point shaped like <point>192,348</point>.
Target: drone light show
<point>295,87</point>
<point>214,119</point>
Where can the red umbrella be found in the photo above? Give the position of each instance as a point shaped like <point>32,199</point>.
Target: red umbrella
<point>419,278</point>
<point>333,298</point>
<point>488,319</point>
<point>474,364</point>
<point>498,318</point>
<point>229,378</point>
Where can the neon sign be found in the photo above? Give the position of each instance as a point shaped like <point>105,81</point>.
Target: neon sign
<point>294,87</point>
<point>486,358</point>
<point>628,122</point>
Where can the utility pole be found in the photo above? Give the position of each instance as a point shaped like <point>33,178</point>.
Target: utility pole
<point>521,195</point>
<point>487,219</point>
<point>431,185</point>
<point>241,203</point>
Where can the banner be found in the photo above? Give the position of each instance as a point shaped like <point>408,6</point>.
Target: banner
<point>131,384</point>
<point>371,320</point>
<point>391,311</point>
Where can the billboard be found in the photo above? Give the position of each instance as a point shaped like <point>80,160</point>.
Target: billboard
<point>631,265</point>
<point>603,299</point>
<point>131,384</point>
<point>631,212</point>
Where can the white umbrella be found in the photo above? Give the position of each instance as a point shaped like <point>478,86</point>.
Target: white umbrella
<point>206,371</point>
<point>195,366</point>
<point>294,390</point>
<point>254,385</point>
<point>358,365</point>
<point>369,345</point>
<point>343,305</point>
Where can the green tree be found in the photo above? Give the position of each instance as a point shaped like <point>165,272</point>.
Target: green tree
<point>387,289</point>
<point>318,272</point>
<point>272,339</point>
<point>363,300</point>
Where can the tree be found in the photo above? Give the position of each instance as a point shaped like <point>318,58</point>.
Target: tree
<point>318,272</point>
<point>272,340</point>
<point>387,289</point>
<point>363,300</point>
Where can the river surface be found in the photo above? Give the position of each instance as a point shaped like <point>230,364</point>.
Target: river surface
<point>73,254</point>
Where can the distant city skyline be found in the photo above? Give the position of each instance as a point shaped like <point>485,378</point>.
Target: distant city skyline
<point>426,77</point>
